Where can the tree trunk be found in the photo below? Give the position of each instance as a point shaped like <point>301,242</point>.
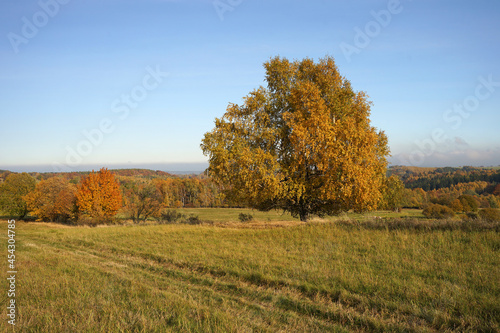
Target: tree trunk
<point>303,211</point>
<point>303,215</point>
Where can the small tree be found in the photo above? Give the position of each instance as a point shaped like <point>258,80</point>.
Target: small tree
<point>12,194</point>
<point>493,201</point>
<point>469,203</point>
<point>142,200</point>
<point>393,193</point>
<point>53,200</point>
<point>496,190</point>
<point>436,211</point>
<point>99,196</point>
<point>456,205</point>
<point>490,214</point>
<point>304,144</point>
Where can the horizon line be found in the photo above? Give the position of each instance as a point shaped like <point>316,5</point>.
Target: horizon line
<point>173,168</point>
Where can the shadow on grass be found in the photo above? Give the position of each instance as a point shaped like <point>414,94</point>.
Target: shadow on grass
<point>25,219</point>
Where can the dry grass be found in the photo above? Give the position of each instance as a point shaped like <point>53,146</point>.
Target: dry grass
<point>422,224</point>
<point>406,275</point>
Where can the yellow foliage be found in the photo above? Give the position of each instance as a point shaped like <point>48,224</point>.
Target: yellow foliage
<point>52,200</point>
<point>99,195</point>
<point>303,144</point>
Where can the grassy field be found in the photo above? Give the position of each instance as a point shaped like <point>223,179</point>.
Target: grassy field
<point>275,274</point>
<point>231,215</point>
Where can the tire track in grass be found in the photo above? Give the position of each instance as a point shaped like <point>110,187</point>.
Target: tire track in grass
<point>247,290</point>
<point>129,277</point>
<point>182,281</point>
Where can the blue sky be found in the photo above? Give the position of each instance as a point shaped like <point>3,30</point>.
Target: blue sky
<point>126,83</point>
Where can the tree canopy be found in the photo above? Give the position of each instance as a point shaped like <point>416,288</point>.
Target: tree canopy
<point>142,199</point>
<point>98,195</point>
<point>53,199</point>
<point>303,144</point>
<point>13,192</point>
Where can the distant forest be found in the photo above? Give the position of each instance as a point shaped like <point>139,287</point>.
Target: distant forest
<point>140,194</point>
<point>430,179</point>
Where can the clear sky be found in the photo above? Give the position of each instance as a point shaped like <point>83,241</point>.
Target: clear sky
<point>123,83</point>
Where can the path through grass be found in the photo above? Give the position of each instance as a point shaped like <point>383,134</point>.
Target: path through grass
<point>315,277</point>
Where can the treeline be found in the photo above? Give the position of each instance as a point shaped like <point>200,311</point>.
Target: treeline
<point>436,178</point>
<point>444,192</point>
<point>137,194</point>
<point>97,197</point>
<point>76,176</point>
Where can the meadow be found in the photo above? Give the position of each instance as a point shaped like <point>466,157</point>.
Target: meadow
<point>273,274</point>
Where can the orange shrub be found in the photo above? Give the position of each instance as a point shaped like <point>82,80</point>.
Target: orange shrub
<point>99,195</point>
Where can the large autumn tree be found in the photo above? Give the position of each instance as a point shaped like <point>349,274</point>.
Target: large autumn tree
<point>98,196</point>
<point>303,144</point>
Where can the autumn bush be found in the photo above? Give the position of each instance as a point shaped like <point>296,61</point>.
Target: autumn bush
<point>12,194</point>
<point>193,219</point>
<point>98,197</point>
<point>53,200</point>
<point>245,217</point>
<point>470,216</point>
<point>436,211</point>
<point>171,216</point>
<point>469,203</point>
<point>490,214</point>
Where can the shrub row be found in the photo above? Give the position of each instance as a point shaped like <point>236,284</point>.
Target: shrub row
<point>172,216</point>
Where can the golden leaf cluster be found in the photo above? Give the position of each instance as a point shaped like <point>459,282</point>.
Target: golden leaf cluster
<point>99,195</point>
<point>303,144</point>
<point>53,199</point>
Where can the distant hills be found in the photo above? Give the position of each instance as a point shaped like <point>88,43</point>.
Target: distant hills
<point>138,173</point>
<point>412,177</point>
